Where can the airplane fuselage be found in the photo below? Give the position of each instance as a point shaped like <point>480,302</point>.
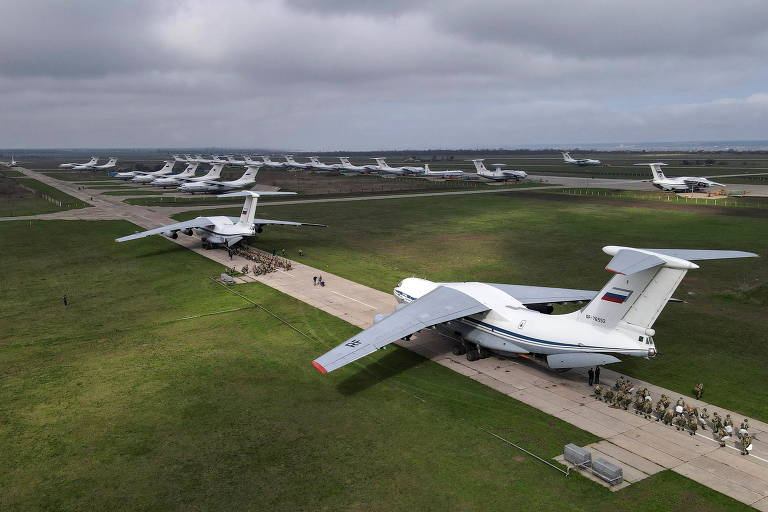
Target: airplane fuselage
<point>510,328</point>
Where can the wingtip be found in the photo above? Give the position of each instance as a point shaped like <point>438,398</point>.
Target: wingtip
<point>319,367</point>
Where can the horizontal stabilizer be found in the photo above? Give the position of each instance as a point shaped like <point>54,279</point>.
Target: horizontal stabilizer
<point>628,261</point>
<point>701,254</point>
<point>252,193</point>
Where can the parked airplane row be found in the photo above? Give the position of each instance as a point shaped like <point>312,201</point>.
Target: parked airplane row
<point>91,165</point>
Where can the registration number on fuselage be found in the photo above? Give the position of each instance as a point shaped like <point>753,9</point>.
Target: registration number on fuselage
<point>596,319</point>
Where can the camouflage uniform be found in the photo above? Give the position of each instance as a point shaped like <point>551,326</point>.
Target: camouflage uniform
<point>608,396</point>
<point>598,392</point>
<point>647,409</point>
<point>693,424</point>
<point>698,390</point>
<point>668,416</point>
<point>717,421</point>
<point>746,440</point>
<point>680,422</point>
<point>720,434</point>
<point>660,410</point>
<point>703,417</point>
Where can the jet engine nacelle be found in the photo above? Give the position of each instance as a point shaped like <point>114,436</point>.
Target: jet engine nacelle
<point>259,228</point>
<point>172,234</point>
<point>187,231</point>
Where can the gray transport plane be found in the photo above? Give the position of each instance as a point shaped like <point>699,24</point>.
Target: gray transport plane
<point>221,230</point>
<point>513,320</point>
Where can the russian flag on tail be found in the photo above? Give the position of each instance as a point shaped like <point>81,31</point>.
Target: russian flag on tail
<point>617,295</point>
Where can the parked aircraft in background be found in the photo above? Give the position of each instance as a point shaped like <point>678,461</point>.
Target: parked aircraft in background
<point>234,161</point>
<point>511,320</point>
<point>317,165</point>
<point>111,164</point>
<point>177,158</point>
<point>498,174</point>
<point>347,166</point>
<point>683,184</point>
<point>441,174</point>
<point>147,177</point>
<point>291,163</point>
<point>266,161</point>
<point>383,167</point>
<point>174,180</point>
<point>220,230</point>
<point>13,162</point>
<point>93,161</point>
<point>129,175</point>
<point>212,186</point>
<point>580,161</point>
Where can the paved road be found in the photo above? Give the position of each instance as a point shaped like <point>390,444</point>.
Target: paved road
<point>642,447</point>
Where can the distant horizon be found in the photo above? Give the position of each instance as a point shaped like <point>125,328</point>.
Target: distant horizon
<point>679,145</point>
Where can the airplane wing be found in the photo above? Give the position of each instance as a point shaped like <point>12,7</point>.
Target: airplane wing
<point>199,222</point>
<point>543,295</point>
<point>440,305</point>
<point>284,222</point>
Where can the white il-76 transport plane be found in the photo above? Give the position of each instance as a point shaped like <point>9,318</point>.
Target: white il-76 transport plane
<point>174,180</point>
<point>90,162</point>
<point>211,185</point>
<point>165,170</point>
<point>220,230</point>
<point>498,174</point>
<point>514,320</point>
<point>567,158</point>
<point>683,184</point>
<point>129,175</point>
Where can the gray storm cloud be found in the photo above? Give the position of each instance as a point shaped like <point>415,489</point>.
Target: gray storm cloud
<point>364,74</point>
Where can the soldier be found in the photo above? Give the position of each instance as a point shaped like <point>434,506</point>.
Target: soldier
<point>638,404</point>
<point>647,409</point>
<point>628,385</point>
<point>698,390</point>
<point>746,443</point>
<point>693,424</point>
<point>619,384</point>
<point>665,400</point>
<point>617,398</point>
<point>626,401</point>
<point>720,436</point>
<point>660,410</point>
<point>608,395</point>
<point>703,417</point>
<point>598,392</point>
<point>680,422</point>
<point>717,422</point>
<point>668,416</point>
<point>744,424</point>
<point>728,424</point>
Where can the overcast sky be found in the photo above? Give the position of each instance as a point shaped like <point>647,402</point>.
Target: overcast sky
<point>376,74</point>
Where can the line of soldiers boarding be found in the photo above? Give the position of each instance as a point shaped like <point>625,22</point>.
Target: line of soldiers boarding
<point>681,416</point>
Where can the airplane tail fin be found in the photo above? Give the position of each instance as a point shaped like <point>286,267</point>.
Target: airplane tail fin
<point>249,207</point>
<point>345,160</point>
<point>479,165</point>
<point>644,282</point>
<point>314,160</point>
<point>289,159</point>
<point>382,162</point>
<point>426,169</point>
<point>567,157</point>
<point>249,176</point>
<point>658,174</point>
<point>112,161</point>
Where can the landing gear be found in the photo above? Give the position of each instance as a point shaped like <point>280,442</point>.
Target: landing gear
<point>476,352</point>
<point>206,245</point>
<point>459,349</point>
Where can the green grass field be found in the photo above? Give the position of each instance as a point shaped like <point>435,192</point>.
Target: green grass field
<point>10,173</point>
<point>78,176</point>
<point>555,240</point>
<point>114,403</point>
<point>47,199</point>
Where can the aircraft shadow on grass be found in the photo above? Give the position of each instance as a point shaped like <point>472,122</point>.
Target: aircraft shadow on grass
<point>376,372</point>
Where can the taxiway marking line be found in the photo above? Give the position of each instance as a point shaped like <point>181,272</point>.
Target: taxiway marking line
<point>350,298</point>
